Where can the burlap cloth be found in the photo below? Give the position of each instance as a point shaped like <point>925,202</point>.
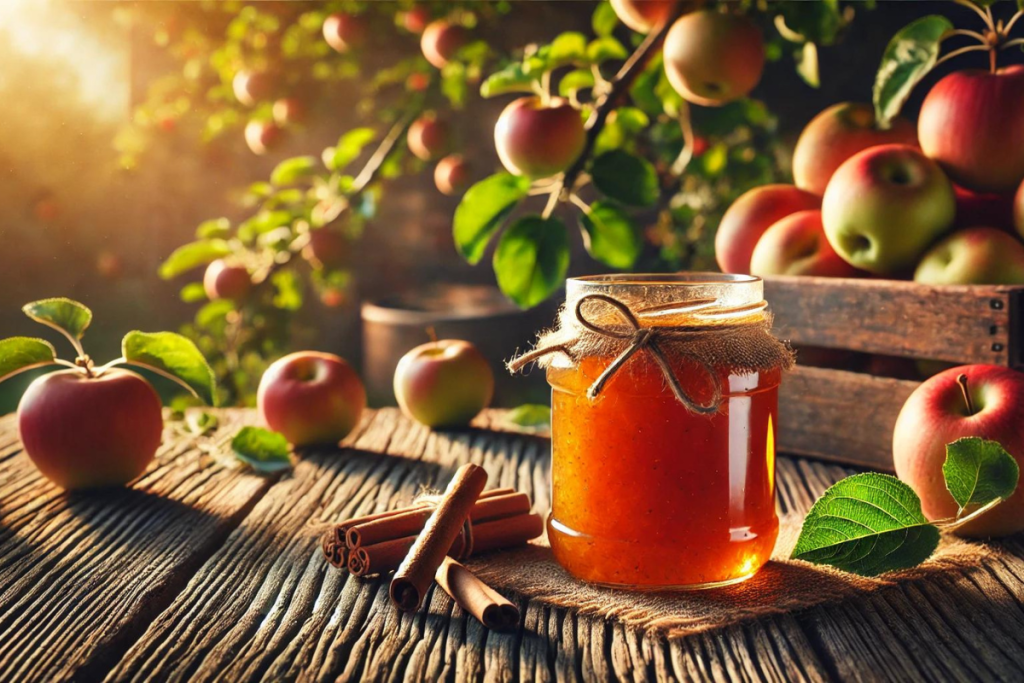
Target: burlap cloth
<point>782,586</point>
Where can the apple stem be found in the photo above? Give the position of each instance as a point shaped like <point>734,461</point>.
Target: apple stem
<point>432,333</point>
<point>948,524</point>
<point>85,363</point>
<point>962,381</point>
<point>992,58</point>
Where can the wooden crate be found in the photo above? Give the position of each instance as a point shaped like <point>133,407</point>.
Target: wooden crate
<point>849,416</point>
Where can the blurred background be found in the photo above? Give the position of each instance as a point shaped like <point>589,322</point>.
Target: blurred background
<point>120,136</point>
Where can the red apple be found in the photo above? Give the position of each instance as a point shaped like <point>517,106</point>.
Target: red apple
<point>224,281</point>
<point>796,245</point>
<point>538,140</point>
<point>452,175</point>
<point>972,123</point>
<point>311,398</point>
<point>975,256</point>
<point>417,82</point>
<point>748,218</point>
<point>973,208</point>
<point>415,19</point>
<point>251,87</point>
<point>288,111</point>
<point>937,414</point>
<point>333,297</point>
<point>835,135</point>
<point>262,136</point>
<point>327,248</point>
<point>643,15</point>
<point>712,58</point>
<point>84,432</point>
<point>428,137</point>
<point>884,206</point>
<point>344,32</point>
<point>1018,211</point>
<point>441,41</point>
<point>444,383</point>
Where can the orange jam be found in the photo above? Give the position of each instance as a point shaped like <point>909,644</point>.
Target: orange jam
<point>647,494</point>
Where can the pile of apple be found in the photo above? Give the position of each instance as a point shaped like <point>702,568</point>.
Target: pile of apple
<point>942,203</point>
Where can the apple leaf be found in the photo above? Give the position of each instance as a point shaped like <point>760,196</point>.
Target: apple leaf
<point>603,49</point>
<point>610,236</point>
<point>604,20</point>
<point>261,449</point>
<point>215,228</point>
<point>18,354</point>
<point>626,178</point>
<point>349,147</point>
<point>577,80</point>
<point>530,416</point>
<point>867,524</point>
<point>193,292</point>
<point>910,55</point>
<point>568,48</point>
<point>483,209</point>
<point>65,315</point>
<point>978,472</point>
<point>192,255</point>
<point>510,79</point>
<point>174,357</point>
<point>532,259</point>
<point>292,170</point>
<point>807,65</point>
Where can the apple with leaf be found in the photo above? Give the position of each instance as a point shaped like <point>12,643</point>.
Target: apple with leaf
<point>89,426</point>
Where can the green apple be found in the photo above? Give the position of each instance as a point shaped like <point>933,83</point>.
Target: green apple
<point>976,256</point>
<point>444,383</point>
<point>884,207</point>
<point>796,245</point>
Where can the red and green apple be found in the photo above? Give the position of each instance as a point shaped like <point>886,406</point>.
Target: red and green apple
<point>539,139</point>
<point>749,216</point>
<point>444,383</point>
<point>796,245</point>
<point>975,256</point>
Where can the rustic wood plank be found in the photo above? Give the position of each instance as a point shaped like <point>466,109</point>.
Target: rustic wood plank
<point>958,324</point>
<point>840,416</point>
<point>81,574</point>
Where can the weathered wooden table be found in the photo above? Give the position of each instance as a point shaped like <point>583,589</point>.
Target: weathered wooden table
<point>200,572</point>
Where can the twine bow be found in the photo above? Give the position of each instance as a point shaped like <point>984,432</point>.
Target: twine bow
<point>639,337</point>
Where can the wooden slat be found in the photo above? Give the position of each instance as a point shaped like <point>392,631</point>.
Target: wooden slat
<point>958,324</point>
<point>81,574</point>
<point>840,416</point>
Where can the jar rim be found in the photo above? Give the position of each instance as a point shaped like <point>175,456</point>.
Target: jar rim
<point>675,279</point>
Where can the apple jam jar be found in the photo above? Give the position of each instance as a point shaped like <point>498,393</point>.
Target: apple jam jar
<point>664,411</point>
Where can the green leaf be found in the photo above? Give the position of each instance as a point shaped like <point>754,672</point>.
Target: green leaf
<point>173,356</point>
<point>603,49</point>
<point>261,449</point>
<point>867,524</point>
<point>574,81</point>
<point>215,228</point>
<point>510,79</point>
<point>532,259</point>
<point>610,236</point>
<point>978,472</point>
<point>530,415</point>
<point>201,422</point>
<point>214,312</point>
<point>626,178</point>
<point>604,19</point>
<point>292,170</point>
<point>568,48</point>
<point>807,64</point>
<point>62,314</point>
<point>288,290</point>
<point>816,22</point>
<point>193,292</point>
<point>189,256</point>
<point>911,54</point>
<point>263,222</point>
<point>483,209</point>
<point>349,147</point>
<point>24,353</point>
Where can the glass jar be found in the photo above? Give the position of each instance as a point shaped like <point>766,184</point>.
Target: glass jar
<point>648,492</point>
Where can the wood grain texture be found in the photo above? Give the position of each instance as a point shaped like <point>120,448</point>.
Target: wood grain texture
<point>958,324</point>
<point>842,416</point>
<point>224,580</point>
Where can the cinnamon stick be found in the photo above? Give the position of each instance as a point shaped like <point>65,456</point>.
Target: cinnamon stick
<point>476,597</point>
<point>414,576</point>
<point>508,532</point>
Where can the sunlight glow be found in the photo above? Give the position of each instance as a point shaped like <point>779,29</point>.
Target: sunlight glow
<point>51,32</point>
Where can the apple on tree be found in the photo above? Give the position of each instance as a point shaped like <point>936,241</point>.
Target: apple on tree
<point>712,58</point>
<point>986,401</point>
<point>451,175</point>
<point>643,16</point>
<point>884,206</point>
<point>251,87</point>
<point>975,256</point>
<point>750,216</point>
<point>415,19</point>
<point>225,281</point>
<point>972,124</point>
<point>288,111</point>
<point>441,41</point>
<point>262,136</point>
<point>327,248</point>
<point>311,398</point>
<point>344,32</point>
<point>428,137</point>
<point>444,383</point>
<point>539,139</point>
<point>835,135</point>
<point>796,245</point>
<point>88,426</point>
